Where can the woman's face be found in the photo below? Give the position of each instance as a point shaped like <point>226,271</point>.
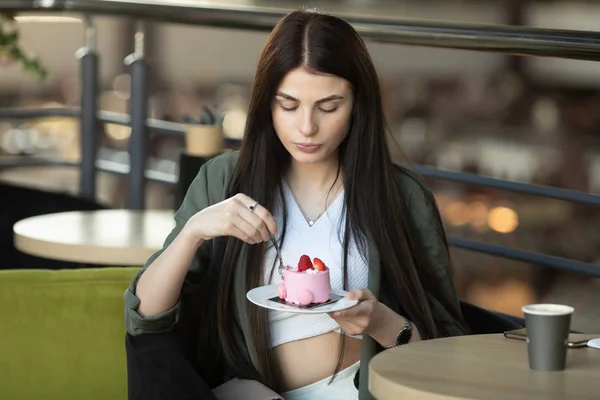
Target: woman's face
<point>311,115</point>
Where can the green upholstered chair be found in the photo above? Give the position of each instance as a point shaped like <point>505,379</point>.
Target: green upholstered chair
<point>62,333</point>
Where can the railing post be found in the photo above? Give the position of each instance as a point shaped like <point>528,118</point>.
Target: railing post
<point>89,107</point>
<point>138,141</point>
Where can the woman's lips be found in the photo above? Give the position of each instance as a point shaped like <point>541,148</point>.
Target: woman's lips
<point>308,148</point>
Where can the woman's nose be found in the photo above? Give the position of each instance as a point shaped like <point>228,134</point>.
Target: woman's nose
<point>307,125</point>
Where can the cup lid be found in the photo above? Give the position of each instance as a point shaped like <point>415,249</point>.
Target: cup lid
<point>547,309</point>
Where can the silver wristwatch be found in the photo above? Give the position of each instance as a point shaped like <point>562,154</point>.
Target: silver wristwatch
<point>404,336</point>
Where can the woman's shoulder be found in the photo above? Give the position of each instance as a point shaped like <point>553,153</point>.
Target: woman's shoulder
<point>214,177</point>
<point>222,165</point>
<point>418,198</point>
<point>412,185</point>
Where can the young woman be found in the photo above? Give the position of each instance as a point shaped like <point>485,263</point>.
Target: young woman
<point>314,171</point>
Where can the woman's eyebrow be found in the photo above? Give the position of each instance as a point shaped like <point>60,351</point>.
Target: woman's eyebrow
<point>323,100</point>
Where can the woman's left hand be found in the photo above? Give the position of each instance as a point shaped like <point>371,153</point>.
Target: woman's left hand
<point>362,318</point>
<point>372,318</point>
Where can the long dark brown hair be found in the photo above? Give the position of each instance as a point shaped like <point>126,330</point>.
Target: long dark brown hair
<point>374,202</point>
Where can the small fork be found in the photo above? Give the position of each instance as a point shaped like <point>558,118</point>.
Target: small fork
<point>278,250</point>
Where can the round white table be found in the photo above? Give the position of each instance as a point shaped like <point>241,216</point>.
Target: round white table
<point>108,237</point>
<point>480,367</point>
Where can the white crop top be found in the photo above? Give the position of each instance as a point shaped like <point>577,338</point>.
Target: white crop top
<point>323,240</point>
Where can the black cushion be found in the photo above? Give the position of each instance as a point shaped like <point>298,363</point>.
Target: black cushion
<point>17,203</point>
<point>481,321</point>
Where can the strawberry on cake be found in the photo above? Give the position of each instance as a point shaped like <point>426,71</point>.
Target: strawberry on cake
<point>309,283</point>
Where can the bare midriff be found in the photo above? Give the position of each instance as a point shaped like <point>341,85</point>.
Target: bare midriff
<point>310,360</point>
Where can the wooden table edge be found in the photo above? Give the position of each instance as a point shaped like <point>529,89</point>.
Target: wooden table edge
<point>381,387</point>
<point>86,254</point>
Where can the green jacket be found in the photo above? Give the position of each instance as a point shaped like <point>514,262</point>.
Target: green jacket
<point>210,187</point>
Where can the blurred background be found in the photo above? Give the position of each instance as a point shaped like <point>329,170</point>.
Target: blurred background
<point>531,120</point>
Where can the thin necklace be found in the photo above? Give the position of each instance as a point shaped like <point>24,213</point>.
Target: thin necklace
<point>310,222</point>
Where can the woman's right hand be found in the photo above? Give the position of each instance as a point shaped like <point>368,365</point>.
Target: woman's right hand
<point>233,217</point>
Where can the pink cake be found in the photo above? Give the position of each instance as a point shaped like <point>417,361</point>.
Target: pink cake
<point>309,283</point>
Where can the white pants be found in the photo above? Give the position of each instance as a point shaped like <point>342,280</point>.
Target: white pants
<point>342,388</point>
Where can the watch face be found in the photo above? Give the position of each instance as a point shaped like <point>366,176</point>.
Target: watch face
<point>404,336</point>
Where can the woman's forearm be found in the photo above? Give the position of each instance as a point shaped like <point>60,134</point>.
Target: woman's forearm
<point>160,285</point>
<point>388,326</point>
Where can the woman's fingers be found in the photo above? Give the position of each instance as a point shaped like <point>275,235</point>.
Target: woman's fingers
<point>245,200</point>
<point>360,294</point>
<point>351,312</point>
<point>247,220</point>
<point>267,218</point>
<point>258,210</point>
<point>238,233</point>
<point>258,224</point>
<point>247,228</point>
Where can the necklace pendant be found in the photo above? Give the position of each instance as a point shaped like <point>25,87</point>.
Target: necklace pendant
<point>311,223</point>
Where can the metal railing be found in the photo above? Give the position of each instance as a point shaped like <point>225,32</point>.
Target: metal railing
<point>579,45</point>
<point>513,40</point>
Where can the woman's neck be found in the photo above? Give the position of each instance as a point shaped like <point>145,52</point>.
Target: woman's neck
<point>314,187</point>
<point>316,178</point>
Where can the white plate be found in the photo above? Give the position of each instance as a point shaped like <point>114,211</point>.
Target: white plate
<point>595,343</point>
<point>261,295</point>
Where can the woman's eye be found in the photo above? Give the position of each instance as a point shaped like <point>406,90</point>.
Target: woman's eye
<point>328,110</point>
<point>289,108</point>
<point>294,107</point>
